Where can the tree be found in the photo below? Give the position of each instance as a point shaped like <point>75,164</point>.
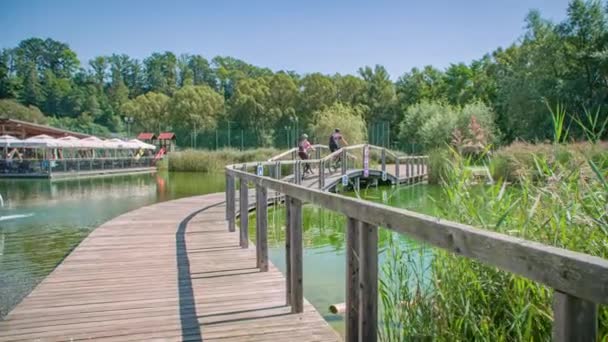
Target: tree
<point>161,72</point>
<point>417,85</point>
<point>251,108</point>
<point>149,111</point>
<point>348,119</point>
<point>379,95</point>
<point>350,89</point>
<point>195,108</point>
<point>11,109</point>
<point>317,93</point>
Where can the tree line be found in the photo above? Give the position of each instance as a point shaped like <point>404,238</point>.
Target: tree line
<point>511,88</point>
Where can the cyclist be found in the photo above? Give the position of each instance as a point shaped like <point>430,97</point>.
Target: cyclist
<point>336,140</point>
<point>303,147</point>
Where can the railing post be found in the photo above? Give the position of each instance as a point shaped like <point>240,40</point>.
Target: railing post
<point>574,319</point>
<point>321,173</point>
<point>230,202</point>
<point>368,283</point>
<point>344,161</point>
<point>261,227</point>
<point>244,211</point>
<point>279,171</point>
<point>351,317</point>
<point>318,153</point>
<point>383,157</point>
<point>287,251</point>
<point>418,166</point>
<point>297,172</point>
<point>297,290</point>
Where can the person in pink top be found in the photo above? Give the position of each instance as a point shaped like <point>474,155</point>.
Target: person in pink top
<point>303,147</point>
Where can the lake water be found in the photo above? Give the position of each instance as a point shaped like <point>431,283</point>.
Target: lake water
<point>42,221</point>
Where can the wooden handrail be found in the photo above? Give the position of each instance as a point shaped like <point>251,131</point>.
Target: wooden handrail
<point>579,280</point>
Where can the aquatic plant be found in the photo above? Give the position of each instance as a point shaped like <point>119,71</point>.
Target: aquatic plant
<point>559,200</point>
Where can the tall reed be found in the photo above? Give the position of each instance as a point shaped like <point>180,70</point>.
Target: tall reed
<point>562,205</point>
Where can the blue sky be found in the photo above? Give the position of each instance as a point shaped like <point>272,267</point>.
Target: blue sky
<point>305,36</point>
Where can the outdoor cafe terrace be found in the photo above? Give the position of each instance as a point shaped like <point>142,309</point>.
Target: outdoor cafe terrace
<point>48,157</point>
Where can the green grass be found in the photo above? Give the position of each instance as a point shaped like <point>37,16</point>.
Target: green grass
<point>213,161</point>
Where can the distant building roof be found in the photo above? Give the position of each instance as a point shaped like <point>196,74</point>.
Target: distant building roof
<point>24,129</point>
<point>166,136</point>
<point>146,136</point>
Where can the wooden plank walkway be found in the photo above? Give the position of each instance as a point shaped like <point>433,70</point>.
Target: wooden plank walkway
<point>166,272</point>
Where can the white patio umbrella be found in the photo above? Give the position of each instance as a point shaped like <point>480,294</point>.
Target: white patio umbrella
<point>95,142</point>
<point>117,143</point>
<point>40,141</point>
<point>8,141</point>
<point>74,142</point>
<point>141,144</point>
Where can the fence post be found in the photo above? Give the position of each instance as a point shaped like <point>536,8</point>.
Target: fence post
<point>318,153</point>
<point>574,319</point>
<point>297,290</point>
<point>230,202</point>
<point>287,251</point>
<point>368,280</point>
<point>383,159</point>
<point>344,161</point>
<point>244,213</point>
<point>297,172</point>
<point>279,170</point>
<point>321,173</point>
<point>262,227</point>
<point>351,316</point>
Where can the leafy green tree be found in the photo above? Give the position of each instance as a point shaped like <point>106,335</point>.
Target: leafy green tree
<point>195,108</point>
<point>350,89</point>
<point>149,111</point>
<point>161,72</point>
<point>317,93</point>
<point>379,95</point>
<point>11,109</point>
<point>417,85</point>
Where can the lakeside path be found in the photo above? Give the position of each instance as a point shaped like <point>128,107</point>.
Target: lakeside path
<point>166,272</point>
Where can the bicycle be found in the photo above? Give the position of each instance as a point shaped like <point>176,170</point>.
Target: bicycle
<point>335,164</point>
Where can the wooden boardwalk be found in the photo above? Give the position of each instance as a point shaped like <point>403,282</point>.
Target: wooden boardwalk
<point>166,272</point>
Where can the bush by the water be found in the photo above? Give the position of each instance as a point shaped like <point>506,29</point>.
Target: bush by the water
<point>521,160</point>
<point>210,161</point>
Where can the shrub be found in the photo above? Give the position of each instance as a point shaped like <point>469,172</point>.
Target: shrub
<point>433,124</point>
<point>520,160</point>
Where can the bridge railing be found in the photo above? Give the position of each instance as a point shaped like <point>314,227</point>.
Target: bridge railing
<point>340,162</point>
<point>579,280</point>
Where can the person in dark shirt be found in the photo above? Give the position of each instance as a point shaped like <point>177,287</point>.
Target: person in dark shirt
<point>336,140</point>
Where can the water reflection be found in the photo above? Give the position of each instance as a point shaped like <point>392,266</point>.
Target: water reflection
<point>42,221</point>
<point>324,242</point>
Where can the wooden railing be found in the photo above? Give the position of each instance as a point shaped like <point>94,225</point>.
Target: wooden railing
<point>580,281</point>
<point>349,156</point>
